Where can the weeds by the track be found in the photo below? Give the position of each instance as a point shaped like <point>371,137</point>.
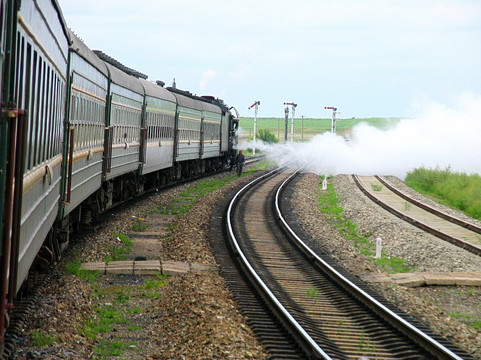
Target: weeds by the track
<point>454,189</point>
<point>328,205</point>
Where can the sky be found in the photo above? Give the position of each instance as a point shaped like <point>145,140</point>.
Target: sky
<point>370,58</point>
<point>439,137</point>
<point>419,60</point>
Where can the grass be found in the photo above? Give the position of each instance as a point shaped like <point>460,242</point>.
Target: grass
<point>328,205</point>
<point>190,196</point>
<point>115,305</point>
<point>111,314</point>
<point>113,347</point>
<point>312,292</point>
<point>119,253</point>
<point>455,189</point>
<point>139,225</point>
<point>42,339</point>
<point>74,269</point>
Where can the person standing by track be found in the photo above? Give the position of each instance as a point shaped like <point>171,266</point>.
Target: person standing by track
<point>239,160</point>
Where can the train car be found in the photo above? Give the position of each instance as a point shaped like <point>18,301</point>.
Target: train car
<point>229,125</point>
<point>125,140</point>
<point>80,132</point>
<point>160,114</point>
<point>187,138</point>
<point>124,120</point>
<point>35,85</point>
<point>40,88</point>
<point>6,125</point>
<point>84,130</point>
<point>211,133</point>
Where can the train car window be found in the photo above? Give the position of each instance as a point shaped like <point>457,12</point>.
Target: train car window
<point>58,112</point>
<point>53,111</point>
<point>38,87</point>
<point>52,117</point>
<point>41,115</point>
<point>20,69</point>
<point>27,98</point>
<point>47,114</point>
<point>58,105</point>
<point>2,27</point>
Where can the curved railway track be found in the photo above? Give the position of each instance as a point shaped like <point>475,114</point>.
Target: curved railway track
<point>433,221</point>
<point>329,316</point>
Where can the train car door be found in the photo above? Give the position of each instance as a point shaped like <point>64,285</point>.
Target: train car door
<point>12,158</point>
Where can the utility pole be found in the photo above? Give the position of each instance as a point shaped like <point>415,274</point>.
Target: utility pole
<point>302,129</point>
<point>293,105</point>
<point>333,123</point>
<point>255,106</point>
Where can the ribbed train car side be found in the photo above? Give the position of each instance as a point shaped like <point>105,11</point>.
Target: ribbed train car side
<point>4,122</point>
<point>93,135</point>
<point>40,84</point>
<point>124,118</point>
<point>160,112</point>
<point>188,130</point>
<point>84,133</point>
<point>211,131</point>
<point>5,126</point>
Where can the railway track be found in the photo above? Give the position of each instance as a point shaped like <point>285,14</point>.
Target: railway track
<point>325,315</point>
<point>433,221</point>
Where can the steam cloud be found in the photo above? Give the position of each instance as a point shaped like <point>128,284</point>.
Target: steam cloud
<point>439,137</point>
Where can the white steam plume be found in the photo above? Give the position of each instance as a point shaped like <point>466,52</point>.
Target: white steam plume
<point>439,137</point>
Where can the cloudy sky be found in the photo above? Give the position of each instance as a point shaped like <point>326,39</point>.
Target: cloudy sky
<point>368,58</point>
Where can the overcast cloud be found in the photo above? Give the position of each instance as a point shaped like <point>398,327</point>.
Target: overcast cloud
<point>368,58</point>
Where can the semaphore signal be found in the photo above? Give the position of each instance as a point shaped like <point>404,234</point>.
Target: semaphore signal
<point>255,105</point>
<point>333,123</point>
<point>293,105</point>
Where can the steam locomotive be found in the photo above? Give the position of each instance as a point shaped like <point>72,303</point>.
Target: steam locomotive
<point>79,133</point>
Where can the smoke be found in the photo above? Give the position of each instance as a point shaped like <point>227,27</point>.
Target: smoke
<point>439,137</point>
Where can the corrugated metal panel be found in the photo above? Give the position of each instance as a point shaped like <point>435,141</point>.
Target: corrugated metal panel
<point>157,91</point>
<point>188,102</point>
<point>122,79</point>
<point>81,49</point>
<point>210,107</point>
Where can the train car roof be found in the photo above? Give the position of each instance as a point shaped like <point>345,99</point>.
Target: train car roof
<point>185,100</point>
<point>79,47</point>
<point>122,79</point>
<point>60,17</point>
<point>208,106</point>
<point>157,91</point>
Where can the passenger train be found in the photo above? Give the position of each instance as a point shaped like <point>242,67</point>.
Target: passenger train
<point>80,133</point>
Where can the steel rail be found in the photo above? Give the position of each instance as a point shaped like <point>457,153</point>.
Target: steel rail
<point>454,240</point>
<point>315,350</point>
<point>432,210</point>
<point>394,319</point>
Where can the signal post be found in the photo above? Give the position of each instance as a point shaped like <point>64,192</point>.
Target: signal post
<point>255,106</point>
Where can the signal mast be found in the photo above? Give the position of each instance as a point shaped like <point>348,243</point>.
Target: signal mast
<point>255,105</point>
<point>333,123</point>
<point>293,105</point>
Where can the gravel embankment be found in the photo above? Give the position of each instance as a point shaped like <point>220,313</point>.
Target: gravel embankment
<point>194,316</point>
<point>421,252</point>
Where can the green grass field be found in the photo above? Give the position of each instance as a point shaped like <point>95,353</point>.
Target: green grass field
<point>306,128</point>
<point>455,189</point>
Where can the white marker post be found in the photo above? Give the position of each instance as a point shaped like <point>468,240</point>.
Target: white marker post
<point>255,105</point>
<point>378,247</point>
<point>324,183</point>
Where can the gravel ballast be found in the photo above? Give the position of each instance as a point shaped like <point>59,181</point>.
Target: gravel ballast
<point>194,316</point>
